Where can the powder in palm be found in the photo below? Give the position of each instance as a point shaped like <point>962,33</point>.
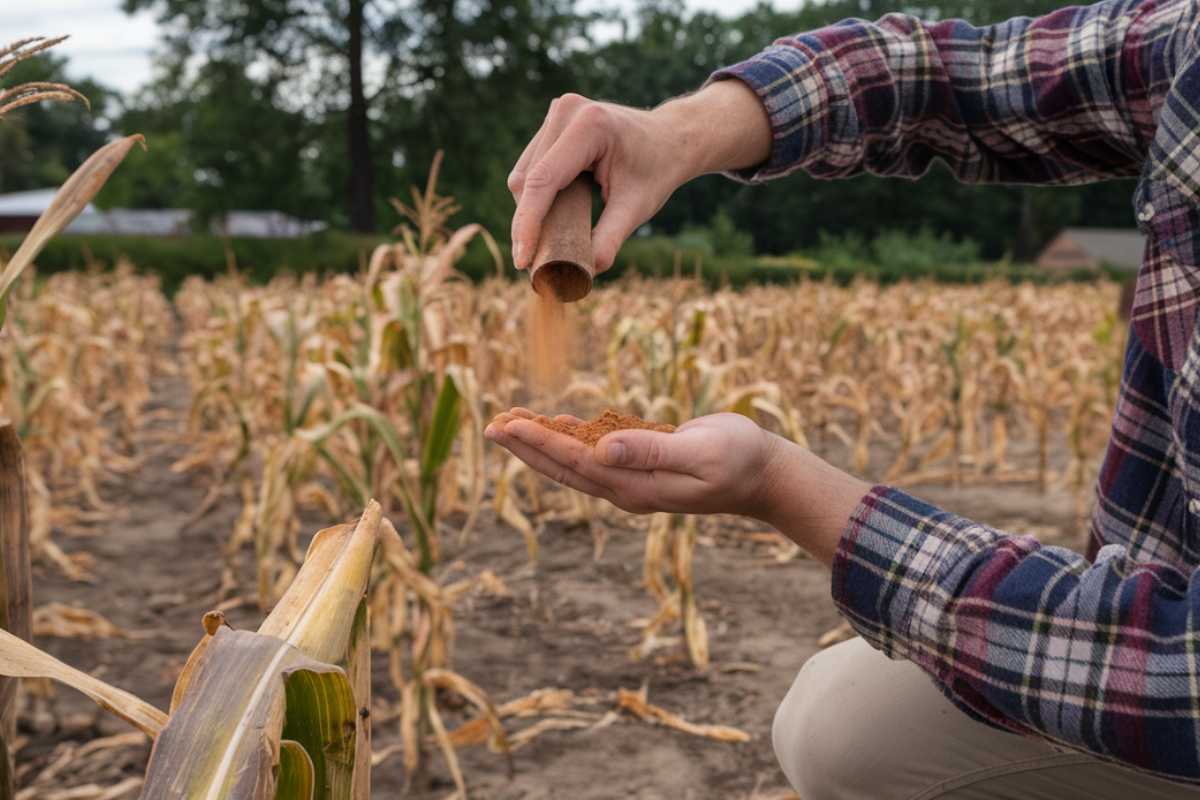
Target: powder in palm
<point>551,342</point>
<point>593,431</point>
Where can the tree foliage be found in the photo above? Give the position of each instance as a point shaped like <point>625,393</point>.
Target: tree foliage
<point>255,106</point>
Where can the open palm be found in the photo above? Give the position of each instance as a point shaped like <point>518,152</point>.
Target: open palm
<point>713,464</point>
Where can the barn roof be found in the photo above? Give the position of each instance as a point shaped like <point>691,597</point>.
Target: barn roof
<point>158,221</point>
<point>29,204</point>
<point>1120,247</point>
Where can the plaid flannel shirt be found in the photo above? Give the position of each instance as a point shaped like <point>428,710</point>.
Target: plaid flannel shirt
<point>1100,653</point>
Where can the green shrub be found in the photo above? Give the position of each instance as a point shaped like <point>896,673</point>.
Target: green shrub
<point>839,260</point>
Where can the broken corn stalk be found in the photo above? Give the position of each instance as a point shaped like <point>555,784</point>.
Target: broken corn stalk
<point>273,715</point>
<point>15,583</point>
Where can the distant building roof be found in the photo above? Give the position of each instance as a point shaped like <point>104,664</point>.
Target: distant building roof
<point>134,222</point>
<point>156,221</point>
<point>265,224</point>
<point>28,204</point>
<point>1075,248</point>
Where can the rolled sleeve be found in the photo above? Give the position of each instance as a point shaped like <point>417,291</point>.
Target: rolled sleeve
<point>1098,656</point>
<point>794,93</point>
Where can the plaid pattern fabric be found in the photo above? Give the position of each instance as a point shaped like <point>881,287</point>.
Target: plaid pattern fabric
<point>1102,653</point>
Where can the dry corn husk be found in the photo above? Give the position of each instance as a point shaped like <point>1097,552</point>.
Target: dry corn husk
<point>637,704</point>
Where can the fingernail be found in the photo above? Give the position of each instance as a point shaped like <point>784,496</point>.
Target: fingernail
<point>489,432</point>
<point>519,255</point>
<point>616,453</point>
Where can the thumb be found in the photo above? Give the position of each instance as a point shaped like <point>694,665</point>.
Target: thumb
<point>612,229</point>
<point>645,450</point>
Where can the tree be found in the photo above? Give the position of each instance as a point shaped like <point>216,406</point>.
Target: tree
<point>219,144</point>
<point>317,49</point>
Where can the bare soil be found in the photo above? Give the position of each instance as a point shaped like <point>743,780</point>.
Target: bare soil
<point>567,624</point>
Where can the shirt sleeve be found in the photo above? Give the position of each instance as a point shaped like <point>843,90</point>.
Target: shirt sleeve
<point>1065,98</point>
<point>1101,656</point>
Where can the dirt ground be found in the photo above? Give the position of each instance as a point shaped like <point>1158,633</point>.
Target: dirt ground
<point>566,624</point>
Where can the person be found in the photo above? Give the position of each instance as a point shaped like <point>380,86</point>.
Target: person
<point>1092,661</point>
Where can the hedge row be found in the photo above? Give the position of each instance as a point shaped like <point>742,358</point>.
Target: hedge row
<point>174,259</point>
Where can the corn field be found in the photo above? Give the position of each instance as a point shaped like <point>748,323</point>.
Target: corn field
<point>309,397</point>
<point>412,644</point>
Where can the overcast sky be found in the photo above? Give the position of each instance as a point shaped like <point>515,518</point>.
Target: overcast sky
<point>116,48</point>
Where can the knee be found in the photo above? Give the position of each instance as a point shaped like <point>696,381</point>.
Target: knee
<point>818,739</point>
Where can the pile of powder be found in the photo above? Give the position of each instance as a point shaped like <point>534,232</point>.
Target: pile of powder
<point>591,432</point>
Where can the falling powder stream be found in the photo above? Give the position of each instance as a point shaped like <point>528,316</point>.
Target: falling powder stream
<point>551,343</point>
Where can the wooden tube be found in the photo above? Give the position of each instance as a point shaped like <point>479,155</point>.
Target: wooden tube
<point>563,266</point>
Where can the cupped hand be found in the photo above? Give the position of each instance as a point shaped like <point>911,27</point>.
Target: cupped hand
<point>715,464</point>
<point>722,463</point>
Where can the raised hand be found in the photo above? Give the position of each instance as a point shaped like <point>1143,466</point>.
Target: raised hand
<point>638,157</point>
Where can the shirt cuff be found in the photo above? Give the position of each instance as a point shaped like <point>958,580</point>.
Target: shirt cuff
<point>788,81</point>
<point>897,556</point>
<point>897,562</point>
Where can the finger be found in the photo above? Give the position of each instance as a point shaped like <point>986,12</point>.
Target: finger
<point>516,178</point>
<point>647,450</point>
<point>574,455</point>
<point>557,118</point>
<point>571,154</point>
<point>555,471</point>
<point>497,424</point>
<point>524,413</point>
<point>619,220</point>
<point>568,419</point>
<point>640,491</point>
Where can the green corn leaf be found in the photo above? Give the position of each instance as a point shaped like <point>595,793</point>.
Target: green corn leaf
<point>296,779</point>
<point>383,428</point>
<point>324,614</point>
<point>696,334</point>
<point>359,411</point>
<point>395,347</point>
<point>443,429</point>
<point>349,482</point>
<point>224,740</point>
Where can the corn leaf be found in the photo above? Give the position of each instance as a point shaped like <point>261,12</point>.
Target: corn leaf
<point>20,659</point>
<point>317,613</point>
<point>358,670</point>
<point>443,429</point>
<point>324,614</point>
<point>15,583</point>
<point>224,741</point>
<point>387,432</point>
<point>71,199</point>
<point>395,349</point>
<point>359,411</point>
<point>296,779</point>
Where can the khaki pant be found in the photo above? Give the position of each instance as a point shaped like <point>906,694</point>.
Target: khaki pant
<point>857,725</point>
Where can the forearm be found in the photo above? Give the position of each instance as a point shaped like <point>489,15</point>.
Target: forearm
<point>724,126</point>
<point>807,499</point>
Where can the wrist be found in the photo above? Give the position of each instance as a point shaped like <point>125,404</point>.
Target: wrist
<point>807,499</point>
<point>723,126</point>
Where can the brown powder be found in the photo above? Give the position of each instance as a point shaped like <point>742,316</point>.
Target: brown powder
<point>591,432</point>
<point>551,343</point>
